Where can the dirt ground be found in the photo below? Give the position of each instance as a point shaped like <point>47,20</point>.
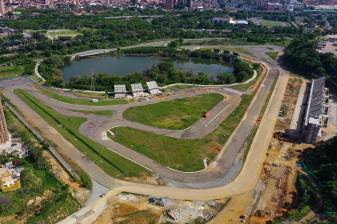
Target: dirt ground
<point>81,194</point>
<point>279,178</point>
<point>289,103</point>
<point>135,211</point>
<point>280,168</point>
<point>236,206</point>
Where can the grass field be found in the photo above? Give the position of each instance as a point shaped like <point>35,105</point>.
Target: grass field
<point>273,54</point>
<point>57,33</point>
<point>270,23</point>
<point>176,114</point>
<point>80,101</point>
<point>110,162</point>
<point>184,155</point>
<point>96,112</point>
<point>7,72</point>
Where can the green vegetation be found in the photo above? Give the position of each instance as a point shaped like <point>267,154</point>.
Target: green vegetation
<point>246,86</point>
<point>273,54</point>
<point>177,87</point>
<point>10,71</point>
<point>317,186</point>
<point>181,154</point>
<point>51,69</point>
<point>37,181</point>
<point>175,114</point>
<point>81,101</point>
<point>96,112</point>
<point>302,57</point>
<point>57,33</point>
<point>99,32</point>
<point>110,162</point>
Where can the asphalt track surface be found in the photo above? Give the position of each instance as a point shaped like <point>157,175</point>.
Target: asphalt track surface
<point>244,181</point>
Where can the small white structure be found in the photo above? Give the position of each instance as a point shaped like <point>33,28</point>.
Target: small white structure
<point>153,87</point>
<point>238,22</point>
<point>94,100</point>
<point>137,90</point>
<point>120,91</point>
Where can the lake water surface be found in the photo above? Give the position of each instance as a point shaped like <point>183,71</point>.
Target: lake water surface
<point>124,65</point>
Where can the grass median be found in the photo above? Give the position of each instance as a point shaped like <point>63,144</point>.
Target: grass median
<point>182,154</point>
<point>96,112</point>
<point>110,162</point>
<point>176,114</point>
<point>81,101</point>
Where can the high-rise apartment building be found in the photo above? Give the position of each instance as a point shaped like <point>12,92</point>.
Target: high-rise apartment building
<point>4,136</point>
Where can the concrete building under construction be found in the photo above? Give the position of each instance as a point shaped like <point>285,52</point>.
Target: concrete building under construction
<point>316,110</point>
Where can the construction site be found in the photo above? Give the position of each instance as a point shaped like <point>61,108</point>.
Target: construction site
<point>137,209</point>
<point>277,192</point>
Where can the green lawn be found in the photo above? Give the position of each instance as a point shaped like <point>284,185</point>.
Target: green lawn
<point>181,154</point>
<point>96,112</point>
<point>273,54</point>
<point>7,72</point>
<point>176,114</point>
<point>80,101</point>
<point>110,162</point>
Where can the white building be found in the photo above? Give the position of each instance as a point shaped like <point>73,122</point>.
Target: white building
<point>137,90</point>
<point>120,91</point>
<point>153,87</point>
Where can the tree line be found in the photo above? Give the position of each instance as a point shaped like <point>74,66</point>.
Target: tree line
<point>302,57</point>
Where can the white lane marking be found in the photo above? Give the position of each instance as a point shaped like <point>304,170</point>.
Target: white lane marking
<point>217,115</point>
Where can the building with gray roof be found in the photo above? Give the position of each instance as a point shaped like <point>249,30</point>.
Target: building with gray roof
<point>316,110</point>
<point>120,91</point>
<point>137,89</point>
<point>153,87</point>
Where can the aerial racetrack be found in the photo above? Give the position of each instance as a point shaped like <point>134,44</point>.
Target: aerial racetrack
<point>99,132</point>
<point>179,131</point>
